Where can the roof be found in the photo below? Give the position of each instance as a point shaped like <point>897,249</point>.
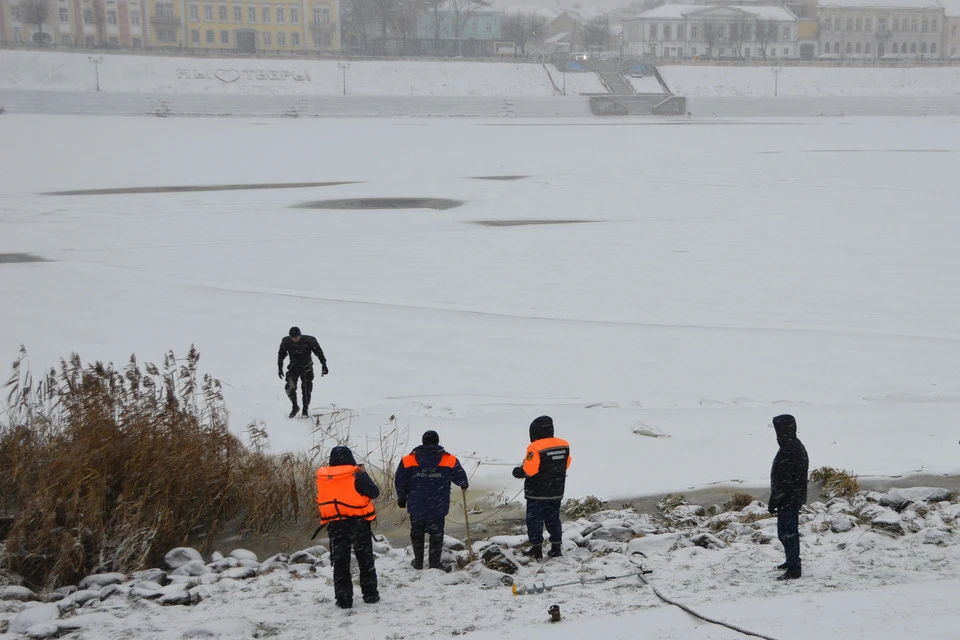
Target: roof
<point>679,11</point>
<point>886,4</point>
<point>557,38</point>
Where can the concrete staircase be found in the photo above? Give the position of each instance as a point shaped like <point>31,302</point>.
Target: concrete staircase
<point>611,76</point>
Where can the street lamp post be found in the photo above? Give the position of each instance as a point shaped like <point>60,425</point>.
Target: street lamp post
<point>96,65</point>
<point>343,67</point>
<point>776,80</point>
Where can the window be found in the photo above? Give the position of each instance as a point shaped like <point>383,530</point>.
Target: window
<point>866,48</point>
<point>267,39</point>
<point>896,24</point>
<point>195,36</point>
<point>115,41</point>
<point>238,15</point>
<point>165,34</point>
<point>64,15</point>
<point>223,12</point>
<point>208,12</point>
<point>224,37</point>
<point>294,15</point>
<point>666,32</point>
<point>746,52</point>
<point>953,51</point>
<point>680,32</point>
<point>165,10</point>
<point>252,15</point>
<point>858,47</point>
<point>923,48</point>
<point>111,17</point>
<point>88,16</point>
<point>295,39</point>
<point>953,30</point>
<point>858,24</point>
<point>913,26</point>
<point>280,16</point>
<point>194,13</point>
<point>88,40</point>
<point>913,47</point>
<point>15,14</point>
<point>721,32</point>
<point>933,47</point>
<point>693,33</point>
<point>786,33</point>
<point>849,47</point>
<point>924,27</point>
<point>786,52</point>
<point>933,26</point>
<point>894,49</point>
<point>321,40</point>
<point>210,38</point>
<point>849,24</point>
<point>653,31</point>
<point>868,25</point>
<point>281,39</point>
<point>693,51</point>
<point>266,15</point>
<point>882,25</point>
<point>773,53</point>
<point>135,18</point>
<point>137,43</point>
<point>66,41</point>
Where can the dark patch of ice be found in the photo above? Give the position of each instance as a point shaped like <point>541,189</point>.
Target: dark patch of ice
<point>11,258</point>
<point>439,204</point>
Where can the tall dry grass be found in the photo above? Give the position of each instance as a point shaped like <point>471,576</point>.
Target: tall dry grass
<point>105,469</point>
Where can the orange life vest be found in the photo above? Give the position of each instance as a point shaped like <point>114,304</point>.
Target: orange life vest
<point>337,495</point>
<point>446,460</point>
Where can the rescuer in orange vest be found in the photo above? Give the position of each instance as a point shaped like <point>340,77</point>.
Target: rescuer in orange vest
<point>545,472</point>
<point>344,494</point>
<point>423,488</point>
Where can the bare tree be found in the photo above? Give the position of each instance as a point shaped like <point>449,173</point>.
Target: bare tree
<point>405,22</point>
<point>596,33</point>
<point>356,16</point>
<point>711,34</point>
<point>36,12</point>
<point>739,33</point>
<point>461,12</point>
<point>523,29</point>
<point>766,33</point>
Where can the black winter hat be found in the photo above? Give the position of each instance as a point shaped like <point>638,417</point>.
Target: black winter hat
<point>431,438</point>
<point>294,332</point>
<point>785,425</point>
<point>541,428</point>
<point>340,456</point>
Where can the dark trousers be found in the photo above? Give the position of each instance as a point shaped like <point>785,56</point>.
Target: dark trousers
<point>788,530</point>
<point>305,376</point>
<point>419,529</point>
<point>540,513</point>
<point>352,532</point>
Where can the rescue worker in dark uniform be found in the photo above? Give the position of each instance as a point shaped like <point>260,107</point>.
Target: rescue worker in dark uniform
<point>301,349</point>
<point>788,491</point>
<point>545,472</point>
<point>423,482</point>
<point>344,494</point>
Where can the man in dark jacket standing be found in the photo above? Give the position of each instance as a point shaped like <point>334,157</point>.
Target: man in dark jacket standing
<point>344,495</point>
<point>301,349</point>
<point>423,488</point>
<point>788,491</point>
<point>545,472</point>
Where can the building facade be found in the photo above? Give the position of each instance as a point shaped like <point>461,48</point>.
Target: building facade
<point>865,29</point>
<point>697,31</point>
<point>470,34</point>
<point>951,29</point>
<point>73,23</point>
<point>239,25</point>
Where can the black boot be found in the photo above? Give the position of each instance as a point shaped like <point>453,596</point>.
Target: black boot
<point>293,413</point>
<point>306,411</point>
<point>417,562</point>
<point>782,566</point>
<point>556,550</point>
<point>535,552</point>
<point>436,551</point>
<point>790,574</point>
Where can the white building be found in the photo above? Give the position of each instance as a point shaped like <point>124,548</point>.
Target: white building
<point>736,32</point>
<point>852,29</point>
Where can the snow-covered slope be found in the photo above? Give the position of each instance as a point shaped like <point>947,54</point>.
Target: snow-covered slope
<point>54,71</point>
<point>708,81</point>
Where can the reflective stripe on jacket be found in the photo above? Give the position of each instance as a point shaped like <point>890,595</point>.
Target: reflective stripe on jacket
<point>337,495</point>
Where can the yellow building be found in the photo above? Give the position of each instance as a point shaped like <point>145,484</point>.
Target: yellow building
<point>246,27</point>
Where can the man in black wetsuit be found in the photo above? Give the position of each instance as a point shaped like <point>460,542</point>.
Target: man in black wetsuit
<point>301,349</point>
